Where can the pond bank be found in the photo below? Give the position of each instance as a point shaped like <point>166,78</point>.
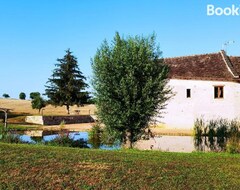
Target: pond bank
<point>86,127</point>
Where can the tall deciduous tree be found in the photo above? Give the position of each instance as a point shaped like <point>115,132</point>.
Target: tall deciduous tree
<point>130,82</point>
<point>67,83</point>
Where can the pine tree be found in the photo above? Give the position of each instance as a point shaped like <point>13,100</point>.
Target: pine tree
<point>67,83</point>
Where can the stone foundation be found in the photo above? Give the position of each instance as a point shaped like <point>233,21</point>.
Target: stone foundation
<point>56,120</point>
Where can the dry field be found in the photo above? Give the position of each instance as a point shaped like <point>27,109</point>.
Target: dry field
<point>24,107</point>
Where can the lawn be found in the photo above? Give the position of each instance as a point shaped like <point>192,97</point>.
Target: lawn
<point>42,167</point>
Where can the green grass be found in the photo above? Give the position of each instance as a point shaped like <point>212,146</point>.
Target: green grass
<point>19,127</point>
<point>41,167</point>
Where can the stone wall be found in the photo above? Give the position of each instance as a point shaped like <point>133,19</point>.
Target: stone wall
<point>34,119</point>
<point>56,120</point>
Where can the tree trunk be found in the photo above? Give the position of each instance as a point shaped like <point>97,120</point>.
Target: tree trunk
<point>68,112</point>
<point>129,141</point>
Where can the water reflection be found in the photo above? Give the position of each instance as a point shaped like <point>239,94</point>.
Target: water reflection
<point>48,136</point>
<point>162,143</point>
<point>214,144</point>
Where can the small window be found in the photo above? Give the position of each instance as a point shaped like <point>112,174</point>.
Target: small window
<point>218,92</point>
<point>188,93</point>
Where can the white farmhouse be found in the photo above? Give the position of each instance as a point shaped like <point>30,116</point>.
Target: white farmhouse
<point>205,86</point>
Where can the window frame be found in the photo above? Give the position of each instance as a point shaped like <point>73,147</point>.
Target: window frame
<point>220,91</point>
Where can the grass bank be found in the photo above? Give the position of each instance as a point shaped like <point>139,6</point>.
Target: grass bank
<point>17,127</point>
<point>41,167</point>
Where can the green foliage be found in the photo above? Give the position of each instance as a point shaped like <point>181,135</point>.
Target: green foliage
<point>199,127</point>
<point>67,83</point>
<point>130,85</point>
<point>34,95</point>
<point>8,136</point>
<point>38,103</point>
<point>233,144</point>
<point>99,135</point>
<point>221,134</point>
<point>22,96</point>
<point>95,136</point>
<point>221,128</point>
<point>6,95</point>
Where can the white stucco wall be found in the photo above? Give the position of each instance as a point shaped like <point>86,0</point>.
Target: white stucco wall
<point>181,111</point>
<point>34,119</point>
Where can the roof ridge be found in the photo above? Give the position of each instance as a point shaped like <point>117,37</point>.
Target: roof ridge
<point>185,56</point>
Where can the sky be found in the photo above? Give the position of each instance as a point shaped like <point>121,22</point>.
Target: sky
<point>34,33</point>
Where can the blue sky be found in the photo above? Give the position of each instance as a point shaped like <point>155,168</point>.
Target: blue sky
<point>34,33</point>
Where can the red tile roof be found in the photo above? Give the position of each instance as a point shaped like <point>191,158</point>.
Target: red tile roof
<point>215,66</point>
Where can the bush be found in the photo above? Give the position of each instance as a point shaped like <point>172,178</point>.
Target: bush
<point>9,136</point>
<point>199,127</point>
<point>220,134</point>
<point>95,136</point>
<point>233,145</point>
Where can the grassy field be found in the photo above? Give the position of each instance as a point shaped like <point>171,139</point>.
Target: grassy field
<point>41,167</point>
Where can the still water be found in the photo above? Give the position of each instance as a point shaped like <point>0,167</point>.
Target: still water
<point>161,143</point>
<point>49,135</point>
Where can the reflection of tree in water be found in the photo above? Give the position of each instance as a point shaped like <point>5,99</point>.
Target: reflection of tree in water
<point>214,134</point>
<point>37,139</point>
<point>215,144</point>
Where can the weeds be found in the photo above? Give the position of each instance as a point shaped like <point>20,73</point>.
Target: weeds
<point>8,136</point>
<point>216,134</point>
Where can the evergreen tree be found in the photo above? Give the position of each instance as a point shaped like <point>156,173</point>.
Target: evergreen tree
<point>130,85</point>
<point>67,84</point>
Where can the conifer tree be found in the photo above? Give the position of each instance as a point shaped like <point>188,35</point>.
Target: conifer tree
<point>67,83</point>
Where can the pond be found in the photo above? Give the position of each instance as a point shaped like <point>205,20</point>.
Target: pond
<point>51,135</point>
<point>161,143</point>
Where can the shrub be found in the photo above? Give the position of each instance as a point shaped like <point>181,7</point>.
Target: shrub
<point>233,145</point>
<point>9,136</point>
<point>95,136</point>
<point>199,126</point>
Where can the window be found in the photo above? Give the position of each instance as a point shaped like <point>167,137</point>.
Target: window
<point>188,93</point>
<point>218,92</point>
